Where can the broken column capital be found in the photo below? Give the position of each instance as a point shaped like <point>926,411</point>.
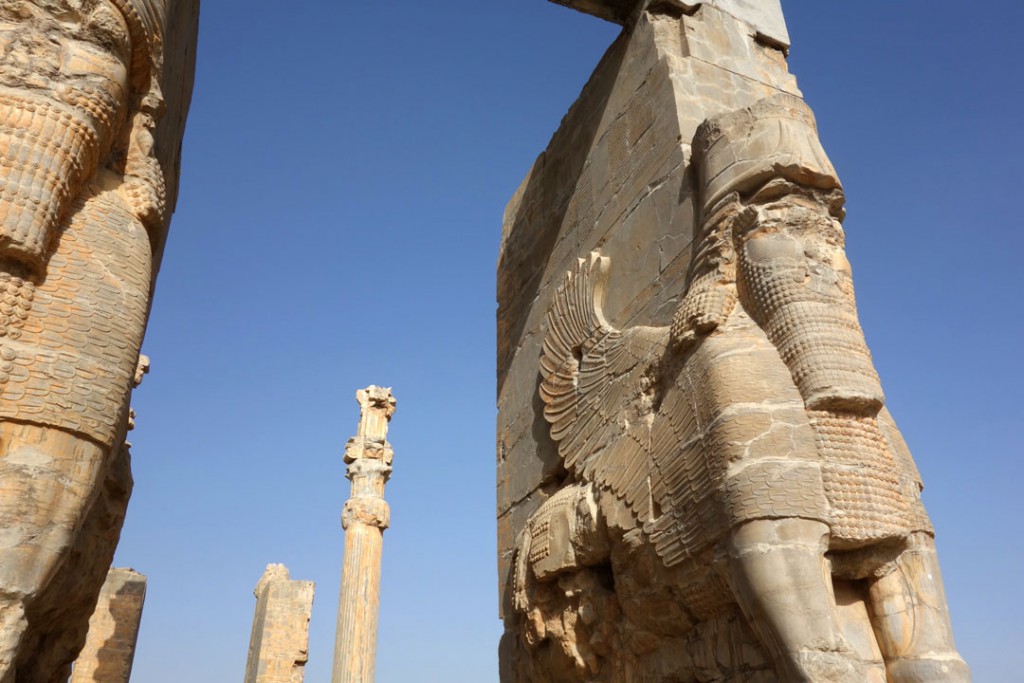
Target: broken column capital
<point>360,448</point>
<point>365,517</point>
<point>370,511</point>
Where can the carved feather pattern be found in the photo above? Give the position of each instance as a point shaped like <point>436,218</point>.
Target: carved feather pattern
<point>661,432</point>
<point>596,388</point>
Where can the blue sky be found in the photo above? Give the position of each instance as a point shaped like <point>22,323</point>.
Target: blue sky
<point>345,170</point>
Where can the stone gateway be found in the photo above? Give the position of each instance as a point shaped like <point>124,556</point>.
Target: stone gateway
<point>698,477</point>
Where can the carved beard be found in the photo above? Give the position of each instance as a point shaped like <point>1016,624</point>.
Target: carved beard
<point>45,152</point>
<point>807,309</point>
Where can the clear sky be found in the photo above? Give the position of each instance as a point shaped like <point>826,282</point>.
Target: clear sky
<point>345,169</point>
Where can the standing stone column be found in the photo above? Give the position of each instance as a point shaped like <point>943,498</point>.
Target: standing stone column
<point>113,630</point>
<point>364,518</point>
<point>279,646</point>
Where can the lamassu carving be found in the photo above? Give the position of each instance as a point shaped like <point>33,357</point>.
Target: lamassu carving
<point>739,505</point>
<point>83,212</point>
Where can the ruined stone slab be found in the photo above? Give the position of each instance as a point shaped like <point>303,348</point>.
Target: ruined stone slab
<point>113,630</point>
<point>279,645</point>
<point>92,111</point>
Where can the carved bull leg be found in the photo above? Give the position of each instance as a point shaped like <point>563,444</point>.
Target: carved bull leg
<point>794,279</point>
<point>781,580</point>
<point>911,621</point>
<point>81,197</point>
<point>49,479</point>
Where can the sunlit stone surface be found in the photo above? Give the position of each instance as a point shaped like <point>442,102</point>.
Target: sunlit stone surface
<point>365,517</point>
<point>279,645</point>
<point>697,477</point>
<point>113,630</point>
<point>93,97</point>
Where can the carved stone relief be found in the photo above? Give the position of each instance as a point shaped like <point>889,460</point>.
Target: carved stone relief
<point>731,499</point>
<point>88,164</point>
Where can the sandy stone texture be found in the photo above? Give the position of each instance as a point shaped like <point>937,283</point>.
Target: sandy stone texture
<point>366,515</point>
<point>279,646</point>
<point>93,98</point>
<point>113,630</point>
<point>697,476</point>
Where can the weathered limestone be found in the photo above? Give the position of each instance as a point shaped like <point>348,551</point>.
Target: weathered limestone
<point>365,517</point>
<point>113,630</point>
<point>764,16</point>
<point>279,645</point>
<point>697,477</point>
<point>93,97</point>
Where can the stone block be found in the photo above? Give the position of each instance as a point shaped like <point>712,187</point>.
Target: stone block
<point>279,645</point>
<point>113,630</point>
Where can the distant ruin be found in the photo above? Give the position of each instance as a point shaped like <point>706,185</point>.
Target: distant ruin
<point>109,650</point>
<point>279,644</point>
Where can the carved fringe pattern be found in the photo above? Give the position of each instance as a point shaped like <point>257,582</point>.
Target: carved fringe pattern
<point>817,335</point>
<point>711,295</point>
<point>910,478</point>
<point>860,477</point>
<point>145,184</point>
<point>539,526</point>
<point>16,294</point>
<point>821,342</point>
<point>45,152</point>
<point>145,20</point>
<point>73,365</point>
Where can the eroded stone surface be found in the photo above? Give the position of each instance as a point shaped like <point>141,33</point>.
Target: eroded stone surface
<point>365,517</point>
<point>763,16</point>
<point>697,477</point>
<point>113,630</point>
<point>279,645</point>
<point>93,96</point>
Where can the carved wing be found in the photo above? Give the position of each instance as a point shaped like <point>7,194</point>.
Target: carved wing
<point>597,387</point>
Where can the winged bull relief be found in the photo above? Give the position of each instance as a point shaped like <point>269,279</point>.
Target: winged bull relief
<point>88,142</point>
<point>740,505</point>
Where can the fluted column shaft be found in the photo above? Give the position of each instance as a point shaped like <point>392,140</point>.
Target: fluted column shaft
<point>364,518</point>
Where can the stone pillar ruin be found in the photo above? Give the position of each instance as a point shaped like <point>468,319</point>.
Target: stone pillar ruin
<point>279,645</point>
<point>698,479</point>
<point>113,630</point>
<point>365,517</point>
<point>93,100</point>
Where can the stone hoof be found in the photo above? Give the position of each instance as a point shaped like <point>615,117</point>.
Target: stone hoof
<point>925,670</point>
